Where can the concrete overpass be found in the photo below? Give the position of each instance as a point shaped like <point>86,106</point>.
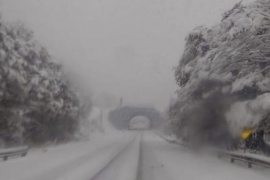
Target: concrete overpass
<point>120,117</point>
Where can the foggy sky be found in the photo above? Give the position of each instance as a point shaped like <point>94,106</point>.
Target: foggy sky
<point>125,48</point>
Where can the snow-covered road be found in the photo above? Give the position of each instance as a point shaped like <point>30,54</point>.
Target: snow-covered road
<point>124,156</point>
<point>162,160</point>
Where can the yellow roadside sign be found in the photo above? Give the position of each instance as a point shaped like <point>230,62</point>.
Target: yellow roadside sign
<point>246,133</point>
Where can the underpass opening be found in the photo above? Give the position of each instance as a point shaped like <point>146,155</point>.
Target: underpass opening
<point>121,117</point>
<point>139,123</point>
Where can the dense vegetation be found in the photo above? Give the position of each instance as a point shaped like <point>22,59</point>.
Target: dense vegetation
<point>224,76</point>
<point>38,103</point>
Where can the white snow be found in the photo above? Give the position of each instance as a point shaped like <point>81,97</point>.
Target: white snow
<point>160,160</point>
<point>54,162</point>
<point>179,163</point>
<point>89,169</point>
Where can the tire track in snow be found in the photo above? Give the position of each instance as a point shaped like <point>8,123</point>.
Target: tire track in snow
<point>109,164</point>
<point>124,165</point>
<point>139,168</point>
<point>150,168</point>
<point>63,169</point>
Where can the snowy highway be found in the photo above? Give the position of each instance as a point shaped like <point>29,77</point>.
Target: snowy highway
<point>124,156</point>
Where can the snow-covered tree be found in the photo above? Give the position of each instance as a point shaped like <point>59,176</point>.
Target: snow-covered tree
<point>231,58</point>
<point>37,101</point>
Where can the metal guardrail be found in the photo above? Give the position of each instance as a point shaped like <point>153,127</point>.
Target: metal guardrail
<point>250,160</point>
<point>19,151</point>
<point>233,156</point>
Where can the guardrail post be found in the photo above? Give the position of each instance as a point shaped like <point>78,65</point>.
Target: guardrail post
<point>249,164</point>
<point>232,160</point>
<point>5,158</point>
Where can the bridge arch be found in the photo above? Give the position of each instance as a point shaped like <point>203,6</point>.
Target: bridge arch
<point>120,117</point>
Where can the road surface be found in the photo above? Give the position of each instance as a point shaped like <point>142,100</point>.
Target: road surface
<point>125,156</point>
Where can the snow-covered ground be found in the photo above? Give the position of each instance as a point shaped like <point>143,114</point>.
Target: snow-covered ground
<point>125,156</point>
<point>55,162</point>
<point>170,161</point>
